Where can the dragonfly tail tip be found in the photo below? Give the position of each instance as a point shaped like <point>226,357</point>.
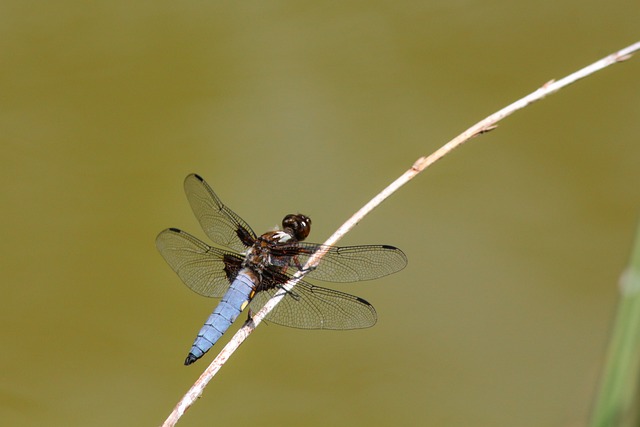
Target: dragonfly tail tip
<point>190,359</point>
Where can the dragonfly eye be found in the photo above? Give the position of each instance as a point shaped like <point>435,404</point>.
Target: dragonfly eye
<point>299,224</point>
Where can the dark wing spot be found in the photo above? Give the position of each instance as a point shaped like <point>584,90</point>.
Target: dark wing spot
<point>232,265</point>
<point>245,237</point>
<point>363,301</point>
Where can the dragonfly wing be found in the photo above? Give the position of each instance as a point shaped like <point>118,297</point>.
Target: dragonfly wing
<point>204,269</point>
<point>221,224</point>
<point>313,307</point>
<point>351,263</point>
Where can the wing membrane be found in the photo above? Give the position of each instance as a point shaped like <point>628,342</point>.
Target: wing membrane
<point>313,307</point>
<point>204,269</point>
<point>221,224</point>
<point>350,263</point>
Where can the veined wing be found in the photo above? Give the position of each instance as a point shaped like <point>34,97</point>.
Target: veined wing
<point>204,269</point>
<point>221,224</point>
<point>313,307</point>
<point>348,263</point>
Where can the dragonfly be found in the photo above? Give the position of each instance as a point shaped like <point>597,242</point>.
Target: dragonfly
<point>246,270</point>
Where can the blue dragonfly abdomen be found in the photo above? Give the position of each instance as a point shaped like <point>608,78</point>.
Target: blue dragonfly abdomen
<point>226,312</point>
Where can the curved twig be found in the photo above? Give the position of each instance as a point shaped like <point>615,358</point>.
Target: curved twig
<point>422,163</point>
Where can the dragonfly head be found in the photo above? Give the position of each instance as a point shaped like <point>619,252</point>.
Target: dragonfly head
<point>299,225</point>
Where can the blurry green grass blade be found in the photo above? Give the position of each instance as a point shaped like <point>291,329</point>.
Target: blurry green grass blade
<point>617,401</point>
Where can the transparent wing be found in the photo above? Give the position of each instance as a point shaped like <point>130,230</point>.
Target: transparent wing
<point>221,224</point>
<point>312,307</point>
<point>349,263</point>
<point>204,269</point>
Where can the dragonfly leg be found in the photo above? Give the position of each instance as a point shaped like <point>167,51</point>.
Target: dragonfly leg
<point>291,293</point>
<point>306,270</point>
<point>300,267</point>
<point>250,314</point>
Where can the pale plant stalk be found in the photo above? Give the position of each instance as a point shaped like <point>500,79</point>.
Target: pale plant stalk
<point>422,163</point>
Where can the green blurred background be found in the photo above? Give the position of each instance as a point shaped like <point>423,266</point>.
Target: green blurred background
<point>515,242</point>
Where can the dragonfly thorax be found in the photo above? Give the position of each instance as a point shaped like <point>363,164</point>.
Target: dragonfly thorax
<point>265,253</point>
